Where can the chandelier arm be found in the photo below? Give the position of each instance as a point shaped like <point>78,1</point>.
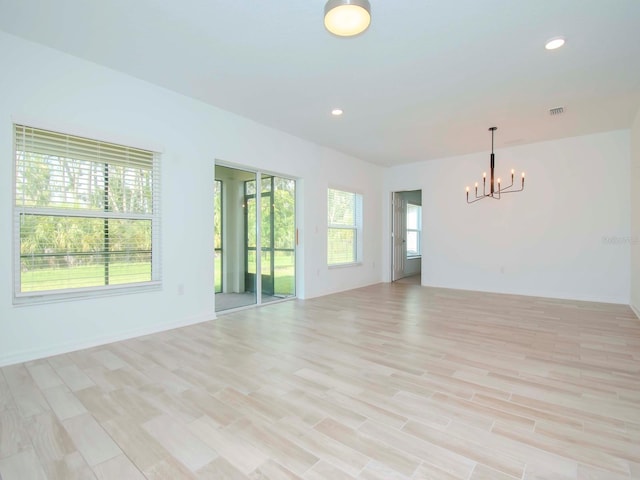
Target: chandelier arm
<point>514,191</point>
<point>506,189</point>
<point>495,196</point>
<point>477,199</point>
<point>508,186</point>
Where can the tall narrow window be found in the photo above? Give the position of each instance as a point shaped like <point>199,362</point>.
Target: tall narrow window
<point>414,230</point>
<point>344,222</point>
<point>86,214</point>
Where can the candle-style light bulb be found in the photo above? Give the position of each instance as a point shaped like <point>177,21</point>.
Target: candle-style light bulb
<point>484,175</point>
<point>512,171</point>
<point>467,189</point>
<point>476,184</point>
<point>499,180</point>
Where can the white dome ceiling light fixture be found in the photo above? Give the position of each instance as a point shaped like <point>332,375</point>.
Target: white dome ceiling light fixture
<point>346,18</point>
<point>336,112</point>
<point>495,191</point>
<point>554,43</point>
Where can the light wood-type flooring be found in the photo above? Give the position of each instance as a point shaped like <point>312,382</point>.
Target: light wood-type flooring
<point>390,381</point>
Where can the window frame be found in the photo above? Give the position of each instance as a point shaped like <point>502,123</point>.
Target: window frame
<point>64,294</point>
<point>356,227</point>
<point>418,230</point>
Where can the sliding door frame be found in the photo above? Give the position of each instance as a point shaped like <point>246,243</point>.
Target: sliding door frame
<point>258,179</point>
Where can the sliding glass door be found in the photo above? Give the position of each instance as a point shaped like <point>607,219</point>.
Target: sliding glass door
<point>252,220</point>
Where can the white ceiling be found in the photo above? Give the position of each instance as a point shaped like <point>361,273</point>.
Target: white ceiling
<point>425,81</point>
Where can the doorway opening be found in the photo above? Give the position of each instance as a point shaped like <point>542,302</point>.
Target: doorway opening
<point>406,236</point>
<point>254,231</point>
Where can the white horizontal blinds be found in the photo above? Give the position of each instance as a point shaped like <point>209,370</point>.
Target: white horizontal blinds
<point>342,208</point>
<point>54,170</point>
<point>342,227</point>
<point>414,219</point>
<point>87,212</point>
<point>413,216</point>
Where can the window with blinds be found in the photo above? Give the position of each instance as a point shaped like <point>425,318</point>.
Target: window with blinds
<point>344,222</point>
<point>414,230</point>
<point>86,214</point>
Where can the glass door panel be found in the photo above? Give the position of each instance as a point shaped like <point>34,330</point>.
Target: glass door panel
<point>217,236</point>
<point>267,274</point>
<point>234,230</point>
<point>251,262</point>
<point>284,237</point>
<point>267,237</point>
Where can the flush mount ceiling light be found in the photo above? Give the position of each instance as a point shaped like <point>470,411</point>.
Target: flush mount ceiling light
<point>495,191</point>
<point>347,18</point>
<point>336,112</point>
<point>554,43</point>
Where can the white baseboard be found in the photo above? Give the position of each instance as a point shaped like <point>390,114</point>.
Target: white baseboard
<point>539,293</point>
<point>34,354</point>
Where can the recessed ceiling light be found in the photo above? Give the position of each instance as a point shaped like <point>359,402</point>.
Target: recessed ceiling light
<point>336,112</point>
<point>553,43</point>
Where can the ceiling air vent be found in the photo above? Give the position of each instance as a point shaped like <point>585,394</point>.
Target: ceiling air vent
<point>556,111</point>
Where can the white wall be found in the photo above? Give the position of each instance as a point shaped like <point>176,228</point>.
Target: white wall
<point>48,89</point>
<point>412,266</point>
<point>349,176</point>
<point>635,215</point>
<point>563,237</point>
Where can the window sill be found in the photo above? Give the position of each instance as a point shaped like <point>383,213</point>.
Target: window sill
<point>345,265</point>
<point>413,257</point>
<point>55,296</point>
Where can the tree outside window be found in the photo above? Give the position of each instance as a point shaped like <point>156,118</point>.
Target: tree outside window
<point>86,214</point>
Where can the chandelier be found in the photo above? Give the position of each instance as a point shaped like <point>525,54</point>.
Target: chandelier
<point>496,190</point>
